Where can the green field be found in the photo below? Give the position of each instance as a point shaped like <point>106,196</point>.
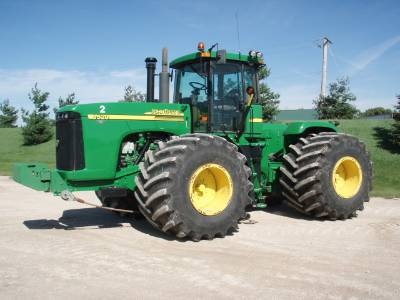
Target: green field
<point>386,159</point>
<point>11,150</point>
<point>374,133</point>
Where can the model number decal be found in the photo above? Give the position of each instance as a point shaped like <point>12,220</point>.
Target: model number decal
<point>99,117</point>
<point>102,109</point>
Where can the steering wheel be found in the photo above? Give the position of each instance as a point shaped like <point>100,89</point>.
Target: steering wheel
<point>233,96</point>
<point>198,85</point>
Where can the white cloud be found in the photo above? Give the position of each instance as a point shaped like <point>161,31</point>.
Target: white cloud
<point>368,56</point>
<point>88,86</point>
<point>129,74</point>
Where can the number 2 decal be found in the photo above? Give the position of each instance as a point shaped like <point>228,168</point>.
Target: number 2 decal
<point>102,109</point>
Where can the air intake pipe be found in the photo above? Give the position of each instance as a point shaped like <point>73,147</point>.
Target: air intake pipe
<point>151,67</point>
<point>164,77</point>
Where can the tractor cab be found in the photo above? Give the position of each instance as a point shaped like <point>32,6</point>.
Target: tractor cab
<point>220,87</point>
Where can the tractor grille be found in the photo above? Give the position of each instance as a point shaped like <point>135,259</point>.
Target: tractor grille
<point>69,144</point>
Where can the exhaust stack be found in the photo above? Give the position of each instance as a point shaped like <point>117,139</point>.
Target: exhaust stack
<point>164,77</point>
<point>151,67</point>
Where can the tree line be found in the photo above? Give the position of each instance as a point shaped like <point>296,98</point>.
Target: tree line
<point>37,124</point>
<point>338,103</point>
<point>396,126</point>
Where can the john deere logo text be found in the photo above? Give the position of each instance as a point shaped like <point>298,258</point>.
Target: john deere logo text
<point>164,112</point>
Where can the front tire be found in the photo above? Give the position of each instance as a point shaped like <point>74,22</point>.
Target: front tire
<point>195,185</point>
<point>327,175</point>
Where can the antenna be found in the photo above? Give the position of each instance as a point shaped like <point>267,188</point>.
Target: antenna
<point>237,29</point>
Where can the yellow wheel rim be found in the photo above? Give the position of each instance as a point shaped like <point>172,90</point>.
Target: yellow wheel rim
<point>210,189</point>
<point>347,177</point>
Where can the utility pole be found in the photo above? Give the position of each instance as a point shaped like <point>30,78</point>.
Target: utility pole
<point>325,44</point>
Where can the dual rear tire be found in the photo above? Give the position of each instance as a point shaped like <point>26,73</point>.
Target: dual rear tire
<point>326,175</point>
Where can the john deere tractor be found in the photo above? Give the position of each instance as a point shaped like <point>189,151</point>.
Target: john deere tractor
<point>191,167</point>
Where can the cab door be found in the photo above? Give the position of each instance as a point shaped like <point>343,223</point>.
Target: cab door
<point>228,98</point>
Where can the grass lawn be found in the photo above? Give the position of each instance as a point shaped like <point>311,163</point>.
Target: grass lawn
<point>386,158</point>
<point>12,151</point>
<point>374,133</point>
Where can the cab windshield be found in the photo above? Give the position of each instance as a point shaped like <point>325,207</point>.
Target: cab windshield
<point>221,85</point>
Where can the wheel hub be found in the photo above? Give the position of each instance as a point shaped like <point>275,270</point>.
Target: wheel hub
<point>210,189</point>
<point>347,177</point>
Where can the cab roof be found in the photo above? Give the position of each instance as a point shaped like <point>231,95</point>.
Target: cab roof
<point>195,56</point>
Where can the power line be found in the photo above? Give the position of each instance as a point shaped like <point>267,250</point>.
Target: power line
<point>331,53</point>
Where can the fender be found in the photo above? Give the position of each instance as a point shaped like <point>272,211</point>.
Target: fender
<point>300,128</point>
<point>297,129</point>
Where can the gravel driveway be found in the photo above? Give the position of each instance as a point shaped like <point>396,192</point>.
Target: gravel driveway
<point>51,249</point>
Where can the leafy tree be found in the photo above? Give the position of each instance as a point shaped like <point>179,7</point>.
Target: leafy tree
<point>337,105</point>
<point>396,125</point>
<point>8,116</point>
<point>376,111</point>
<point>269,100</point>
<point>70,100</point>
<point>131,95</point>
<point>37,127</point>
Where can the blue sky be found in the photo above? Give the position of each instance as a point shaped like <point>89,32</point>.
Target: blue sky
<point>95,48</point>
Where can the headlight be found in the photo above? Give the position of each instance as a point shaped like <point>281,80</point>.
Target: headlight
<point>259,55</point>
<point>252,54</point>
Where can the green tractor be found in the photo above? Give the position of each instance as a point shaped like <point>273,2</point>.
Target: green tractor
<point>193,166</point>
